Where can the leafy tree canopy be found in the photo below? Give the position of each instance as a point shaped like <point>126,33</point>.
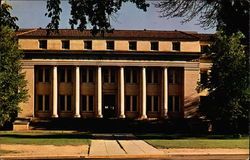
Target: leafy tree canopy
<point>12,83</point>
<point>5,17</point>
<point>232,15</point>
<point>228,82</point>
<point>95,12</point>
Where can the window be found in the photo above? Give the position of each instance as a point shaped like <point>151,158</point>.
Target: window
<point>43,102</point>
<point>87,44</point>
<point>176,46</point>
<point>131,103</point>
<point>132,46</point>
<point>87,103</point>
<point>174,103</point>
<point>204,48</point>
<point>109,75</point>
<point>65,102</point>
<point>152,103</point>
<point>43,74</point>
<point>152,76</point>
<point>155,46</point>
<point>204,77</point>
<point>87,75</point>
<point>110,45</point>
<point>131,75</point>
<point>65,44</point>
<point>174,76</point>
<point>43,44</point>
<point>65,74</point>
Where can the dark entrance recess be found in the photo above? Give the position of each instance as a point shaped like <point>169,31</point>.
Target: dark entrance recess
<point>109,106</point>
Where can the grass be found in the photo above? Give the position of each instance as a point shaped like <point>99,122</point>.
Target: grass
<point>190,141</point>
<point>6,151</point>
<point>45,138</point>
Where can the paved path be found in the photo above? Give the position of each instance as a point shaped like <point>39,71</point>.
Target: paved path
<point>125,145</point>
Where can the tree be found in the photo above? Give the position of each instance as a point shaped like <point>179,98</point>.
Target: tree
<point>228,82</point>
<point>12,84</point>
<point>95,12</point>
<point>5,17</point>
<point>232,15</point>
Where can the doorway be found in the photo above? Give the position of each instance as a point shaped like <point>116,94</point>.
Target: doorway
<point>109,106</point>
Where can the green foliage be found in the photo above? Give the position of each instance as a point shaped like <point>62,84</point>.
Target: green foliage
<point>5,17</point>
<point>233,15</point>
<point>12,83</point>
<point>229,96</point>
<point>94,12</point>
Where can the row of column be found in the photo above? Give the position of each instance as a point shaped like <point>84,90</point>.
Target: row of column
<point>121,93</point>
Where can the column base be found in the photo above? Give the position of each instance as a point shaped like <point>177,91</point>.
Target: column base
<point>54,116</point>
<point>99,116</point>
<point>143,117</point>
<point>122,116</point>
<point>77,116</point>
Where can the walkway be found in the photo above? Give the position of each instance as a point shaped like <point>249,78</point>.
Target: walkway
<point>117,145</point>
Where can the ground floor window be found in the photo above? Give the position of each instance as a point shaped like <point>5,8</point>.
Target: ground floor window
<point>174,103</point>
<point>131,103</point>
<point>87,103</point>
<point>152,103</point>
<point>65,102</point>
<point>43,102</point>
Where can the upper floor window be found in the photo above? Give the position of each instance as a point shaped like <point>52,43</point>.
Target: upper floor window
<point>43,44</point>
<point>152,76</point>
<point>87,75</point>
<point>152,103</point>
<point>65,74</point>
<point>65,44</point>
<point>174,103</point>
<point>110,45</point>
<point>155,46</point>
<point>204,48</point>
<point>131,75</point>
<point>87,44</point>
<point>174,76</point>
<point>176,46</point>
<point>43,74</point>
<point>132,45</point>
<point>109,75</point>
<point>204,77</point>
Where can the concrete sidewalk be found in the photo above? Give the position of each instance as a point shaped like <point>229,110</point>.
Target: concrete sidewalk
<point>121,145</point>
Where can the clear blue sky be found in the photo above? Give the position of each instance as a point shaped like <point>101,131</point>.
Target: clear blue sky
<point>31,15</point>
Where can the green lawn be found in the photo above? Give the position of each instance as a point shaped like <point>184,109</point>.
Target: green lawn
<point>45,138</point>
<point>187,141</point>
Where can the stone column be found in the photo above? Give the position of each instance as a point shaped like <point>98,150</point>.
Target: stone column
<point>121,94</point>
<point>144,96</point>
<point>77,93</point>
<point>55,114</point>
<point>99,92</point>
<point>165,92</point>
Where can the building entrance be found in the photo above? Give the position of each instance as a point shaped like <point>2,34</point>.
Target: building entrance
<point>109,106</point>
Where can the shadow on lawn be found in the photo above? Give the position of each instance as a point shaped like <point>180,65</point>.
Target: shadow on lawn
<point>48,136</point>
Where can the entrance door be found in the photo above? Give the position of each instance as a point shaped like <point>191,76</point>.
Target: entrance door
<point>109,107</point>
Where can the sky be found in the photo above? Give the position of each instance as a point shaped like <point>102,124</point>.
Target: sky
<point>31,15</point>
